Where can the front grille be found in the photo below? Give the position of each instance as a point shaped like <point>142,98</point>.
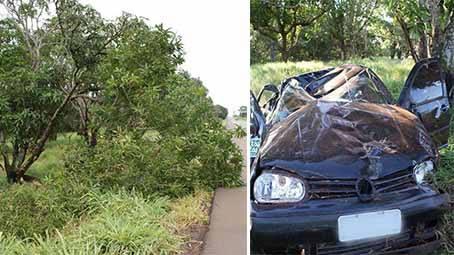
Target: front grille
<point>392,245</point>
<point>342,188</point>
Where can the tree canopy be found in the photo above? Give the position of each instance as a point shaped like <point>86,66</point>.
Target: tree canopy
<point>341,29</point>
<point>63,67</point>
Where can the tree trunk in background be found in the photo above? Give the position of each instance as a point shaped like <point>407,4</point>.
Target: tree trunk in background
<point>423,46</point>
<point>94,137</point>
<point>343,47</point>
<point>284,55</point>
<point>447,52</point>
<point>284,47</point>
<point>366,44</point>
<point>272,51</point>
<point>406,31</point>
<point>437,38</point>
<point>11,175</point>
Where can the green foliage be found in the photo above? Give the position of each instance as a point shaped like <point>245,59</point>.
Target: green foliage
<point>183,109</point>
<point>221,111</point>
<point>173,166</point>
<point>156,129</point>
<point>65,216</point>
<point>138,71</point>
<point>124,224</point>
<point>261,51</point>
<point>294,30</point>
<point>31,209</point>
<point>158,136</point>
<point>44,62</point>
<point>282,22</point>
<point>445,180</point>
<point>239,131</point>
<point>27,99</point>
<point>118,223</point>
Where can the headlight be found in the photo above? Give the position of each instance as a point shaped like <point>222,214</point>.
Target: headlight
<point>278,188</point>
<point>421,171</point>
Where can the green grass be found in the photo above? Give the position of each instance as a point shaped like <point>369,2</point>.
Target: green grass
<point>393,73</point>
<point>50,162</point>
<point>121,223</point>
<point>114,222</point>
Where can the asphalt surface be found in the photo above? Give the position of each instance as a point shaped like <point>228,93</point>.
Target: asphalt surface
<point>228,226</point>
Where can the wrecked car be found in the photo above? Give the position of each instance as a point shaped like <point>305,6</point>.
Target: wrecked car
<point>344,169</point>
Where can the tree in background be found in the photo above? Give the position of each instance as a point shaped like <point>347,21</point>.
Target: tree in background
<point>74,68</point>
<point>347,24</point>
<point>447,52</point>
<point>46,64</point>
<point>283,21</point>
<point>423,23</point>
<point>221,111</point>
<point>348,29</point>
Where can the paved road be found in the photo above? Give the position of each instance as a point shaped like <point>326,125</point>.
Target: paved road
<point>227,232</point>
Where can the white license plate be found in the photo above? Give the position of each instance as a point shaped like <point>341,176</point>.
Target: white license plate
<point>369,225</point>
<point>255,145</point>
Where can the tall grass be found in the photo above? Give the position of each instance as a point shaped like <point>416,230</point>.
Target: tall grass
<point>392,72</point>
<point>120,223</point>
<point>108,223</point>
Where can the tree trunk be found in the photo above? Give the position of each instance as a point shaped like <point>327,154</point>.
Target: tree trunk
<point>344,51</point>
<point>447,53</point>
<point>284,48</point>
<point>434,9</point>
<point>11,176</point>
<point>39,147</point>
<point>94,137</point>
<point>393,50</point>
<point>406,31</point>
<point>422,47</point>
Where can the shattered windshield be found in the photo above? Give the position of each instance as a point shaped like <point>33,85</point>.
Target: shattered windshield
<point>292,98</point>
<point>351,83</point>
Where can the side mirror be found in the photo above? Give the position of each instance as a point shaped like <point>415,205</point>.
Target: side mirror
<point>269,87</point>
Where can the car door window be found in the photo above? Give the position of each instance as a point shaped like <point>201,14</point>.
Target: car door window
<point>428,84</point>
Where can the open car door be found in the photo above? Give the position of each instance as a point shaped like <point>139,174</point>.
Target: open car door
<point>425,94</point>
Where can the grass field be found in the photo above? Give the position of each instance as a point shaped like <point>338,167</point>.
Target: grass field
<point>393,73</point>
<point>120,222</point>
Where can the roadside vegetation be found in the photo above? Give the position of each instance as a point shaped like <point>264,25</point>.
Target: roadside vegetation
<point>393,73</point>
<point>106,146</point>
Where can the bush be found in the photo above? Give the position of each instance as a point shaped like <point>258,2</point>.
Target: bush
<point>120,223</point>
<point>171,166</point>
<point>124,224</point>
<point>27,210</point>
<point>221,111</point>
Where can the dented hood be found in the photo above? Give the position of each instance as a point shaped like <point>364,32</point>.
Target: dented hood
<point>346,140</point>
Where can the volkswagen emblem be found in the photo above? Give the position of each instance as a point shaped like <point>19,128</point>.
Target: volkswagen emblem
<point>365,190</point>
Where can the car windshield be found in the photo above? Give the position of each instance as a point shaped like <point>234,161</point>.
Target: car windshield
<point>346,83</point>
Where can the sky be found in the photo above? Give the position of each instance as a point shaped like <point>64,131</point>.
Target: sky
<point>215,35</point>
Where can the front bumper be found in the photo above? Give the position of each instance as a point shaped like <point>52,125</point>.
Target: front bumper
<point>312,225</point>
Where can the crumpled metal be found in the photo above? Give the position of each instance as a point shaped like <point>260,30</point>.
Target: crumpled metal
<point>323,130</point>
<point>347,121</point>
